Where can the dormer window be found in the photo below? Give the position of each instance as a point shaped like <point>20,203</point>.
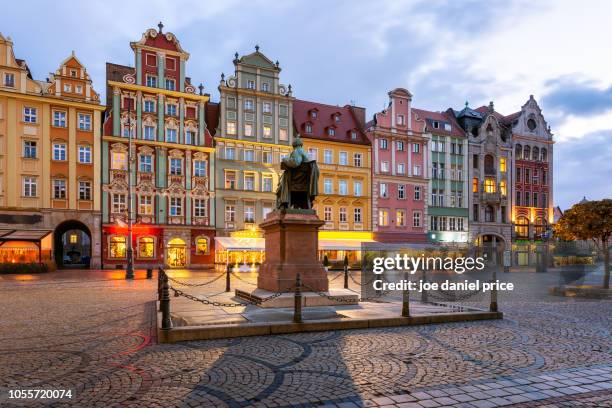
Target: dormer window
<point>353,135</point>
<point>447,127</point>
<point>331,132</point>
<point>308,128</point>
<point>313,114</point>
<point>337,118</point>
<point>436,124</point>
<point>73,73</point>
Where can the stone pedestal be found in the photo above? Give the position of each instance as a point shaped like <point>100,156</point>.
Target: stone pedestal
<point>291,248</point>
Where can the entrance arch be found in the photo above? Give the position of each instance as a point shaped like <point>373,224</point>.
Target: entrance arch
<point>491,246</point>
<point>72,245</point>
<point>176,253</point>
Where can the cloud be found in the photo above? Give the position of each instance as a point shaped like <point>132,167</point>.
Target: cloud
<point>578,97</point>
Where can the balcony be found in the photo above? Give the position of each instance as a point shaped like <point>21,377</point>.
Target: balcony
<point>120,175</point>
<point>494,198</point>
<point>490,171</point>
<point>145,177</point>
<point>175,179</point>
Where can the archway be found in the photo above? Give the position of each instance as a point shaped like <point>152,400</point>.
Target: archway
<point>491,246</point>
<point>72,245</point>
<point>176,253</point>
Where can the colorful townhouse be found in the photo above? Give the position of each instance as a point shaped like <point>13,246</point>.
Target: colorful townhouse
<point>171,163</point>
<point>399,171</point>
<point>255,132</point>
<point>49,164</point>
<point>447,164</point>
<point>334,137</point>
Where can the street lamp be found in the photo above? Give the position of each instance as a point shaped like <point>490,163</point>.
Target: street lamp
<point>129,271</point>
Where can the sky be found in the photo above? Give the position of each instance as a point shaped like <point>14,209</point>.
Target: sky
<point>354,51</point>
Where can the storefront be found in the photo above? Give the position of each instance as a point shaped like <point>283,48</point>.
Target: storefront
<point>25,246</point>
<point>239,251</point>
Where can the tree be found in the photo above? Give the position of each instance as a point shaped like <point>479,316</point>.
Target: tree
<point>591,220</point>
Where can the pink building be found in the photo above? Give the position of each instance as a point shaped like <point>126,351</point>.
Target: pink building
<point>399,172</point>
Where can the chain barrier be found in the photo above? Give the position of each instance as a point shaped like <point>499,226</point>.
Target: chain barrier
<point>343,300</point>
<point>178,292</point>
<point>178,282</point>
<point>363,284</point>
<point>337,276</point>
<point>242,279</point>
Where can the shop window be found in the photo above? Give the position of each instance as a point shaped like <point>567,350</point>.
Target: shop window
<point>146,247</point>
<point>117,247</point>
<point>201,244</point>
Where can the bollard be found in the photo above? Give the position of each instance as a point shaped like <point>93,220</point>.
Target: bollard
<point>346,277</point>
<point>160,278</point>
<point>165,305</point>
<point>227,278</point>
<point>405,299</point>
<point>149,273</point>
<point>297,300</point>
<point>493,305</point>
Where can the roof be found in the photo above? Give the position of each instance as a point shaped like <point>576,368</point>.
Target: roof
<point>444,117</point>
<point>115,72</point>
<point>504,119</point>
<point>325,119</point>
<point>212,117</point>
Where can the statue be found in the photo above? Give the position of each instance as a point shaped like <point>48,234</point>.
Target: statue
<point>298,185</point>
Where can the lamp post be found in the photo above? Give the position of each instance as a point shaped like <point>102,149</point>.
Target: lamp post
<point>129,271</point>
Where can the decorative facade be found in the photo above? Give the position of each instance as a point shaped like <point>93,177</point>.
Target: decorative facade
<point>334,137</point>
<point>399,171</point>
<point>172,158</point>
<point>254,134</point>
<point>447,164</point>
<point>49,164</point>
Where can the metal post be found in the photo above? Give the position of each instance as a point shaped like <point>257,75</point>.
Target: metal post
<point>297,300</point>
<point>405,299</point>
<point>493,305</point>
<point>149,273</point>
<point>165,305</point>
<point>160,279</point>
<point>129,272</point>
<point>227,277</point>
<point>346,277</point>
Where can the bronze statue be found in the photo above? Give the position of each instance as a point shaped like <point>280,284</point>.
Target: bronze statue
<point>298,185</point>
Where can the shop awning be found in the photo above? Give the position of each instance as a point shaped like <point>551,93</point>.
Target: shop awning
<point>23,235</point>
<point>342,244</point>
<point>240,244</point>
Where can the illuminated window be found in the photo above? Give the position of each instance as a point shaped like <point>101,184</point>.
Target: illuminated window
<point>74,238</point>
<point>146,247</point>
<point>201,245</point>
<point>267,131</point>
<point>118,161</point>
<point>502,188</point>
<point>117,247</point>
<point>230,180</point>
<point>383,218</point>
<point>475,185</point>
<point>489,185</point>
<point>521,229</point>
<point>400,218</point>
<point>502,164</point>
<point>283,134</point>
<point>231,128</point>
<point>146,205</point>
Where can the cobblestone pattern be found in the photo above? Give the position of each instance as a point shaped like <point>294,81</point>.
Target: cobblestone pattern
<point>95,335</point>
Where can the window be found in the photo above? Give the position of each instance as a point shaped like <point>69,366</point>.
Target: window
<point>357,160</point>
<point>249,104</point>
<point>283,134</point>
<point>489,185</point>
<point>353,135</point>
<point>400,120</point>
<point>266,209</point>
<point>313,114</point>
<point>199,207</point>
<point>67,88</point>
<point>29,187</point>
<point>535,199</point>
<point>84,121</point>
<point>74,239</point>
<point>249,181</point>
<point>400,218</point>
<point>417,192</point>
<point>9,80</point>
<point>149,133</point>
<point>383,218</point>
<point>59,118</point>
<point>327,186</point>
<point>230,153</point>
<point>308,128</point>
<point>85,154</point>
<point>526,199</point>
<point>384,192</point>
<point>357,214</point>
<point>267,107</point>
<point>201,244</point>
<point>416,171</point>
<point>152,81</point>
<point>117,247</point>
<point>29,149</point>
<point>475,212</point>
<point>331,132</point>
<point>536,178</point>
<point>521,229</point>
<point>29,115</point>
<point>248,129</point>
<point>327,214</point>
<point>249,213</point>
<point>250,84</point>
<point>59,151</point>
<point>249,155</point>
<point>434,170</point>
<point>171,109</point>
<point>267,183</point>
<point>544,177</point>
<point>475,161</point>
<point>383,143</point>
<point>401,191</point>
<point>518,198</point>
<point>267,157</point>
<point>171,135</point>
<point>267,131</point>
<point>149,106</point>
<point>503,188</point>
<point>230,212</point>
<point>527,153</point>
<point>518,174</point>
<point>146,247</point>
<point>544,155</point>
<point>342,214</point>
<point>343,159</point>
<point>176,166</point>
<point>416,148</point>
<point>190,137</point>
<point>119,161</point>
<point>327,156</point>
<point>199,168</point>
<point>170,84</point>
<point>265,87</point>
<point>384,166</point>
<point>312,153</point>
<point>119,201</point>
<point>357,188</point>
<point>527,176</point>
<point>145,206</point>
<point>399,145</point>
<point>489,214</point>
<point>145,165</point>
<point>544,200</point>
<point>176,206</point>
<point>401,168</point>
<point>342,187</point>
<point>502,164</point>
<point>475,185</point>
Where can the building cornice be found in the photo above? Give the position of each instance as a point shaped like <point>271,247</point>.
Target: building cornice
<point>148,89</point>
<point>52,100</point>
<point>159,144</point>
<point>250,142</point>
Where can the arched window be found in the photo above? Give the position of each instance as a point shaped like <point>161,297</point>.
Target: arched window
<point>527,153</point>
<point>146,247</point>
<point>489,185</point>
<point>521,228</point>
<point>201,245</point>
<point>544,154</point>
<point>117,247</point>
<point>518,151</point>
<point>489,214</point>
<point>536,154</point>
<point>489,164</point>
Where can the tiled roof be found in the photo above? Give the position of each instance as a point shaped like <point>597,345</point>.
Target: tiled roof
<point>504,119</point>
<point>115,72</point>
<point>325,119</point>
<point>444,117</point>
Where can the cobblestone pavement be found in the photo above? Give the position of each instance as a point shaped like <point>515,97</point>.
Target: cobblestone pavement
<point>93,332</point>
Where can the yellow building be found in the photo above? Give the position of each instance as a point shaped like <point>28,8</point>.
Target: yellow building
<point>49,163</point>
<point>333,136</point>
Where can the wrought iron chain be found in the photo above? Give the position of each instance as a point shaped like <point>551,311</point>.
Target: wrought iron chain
<point>194,284</point>
<point>242,279</point>
<point>336,277</point>
<point>363,284</point>
<point>178,292</point>
<point>343,300</point>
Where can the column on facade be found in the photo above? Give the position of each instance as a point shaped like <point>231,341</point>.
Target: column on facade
<point>161,128</point>
<point>188,187</point>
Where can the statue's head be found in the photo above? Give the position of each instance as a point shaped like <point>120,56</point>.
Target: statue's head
<point>297,142</point>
